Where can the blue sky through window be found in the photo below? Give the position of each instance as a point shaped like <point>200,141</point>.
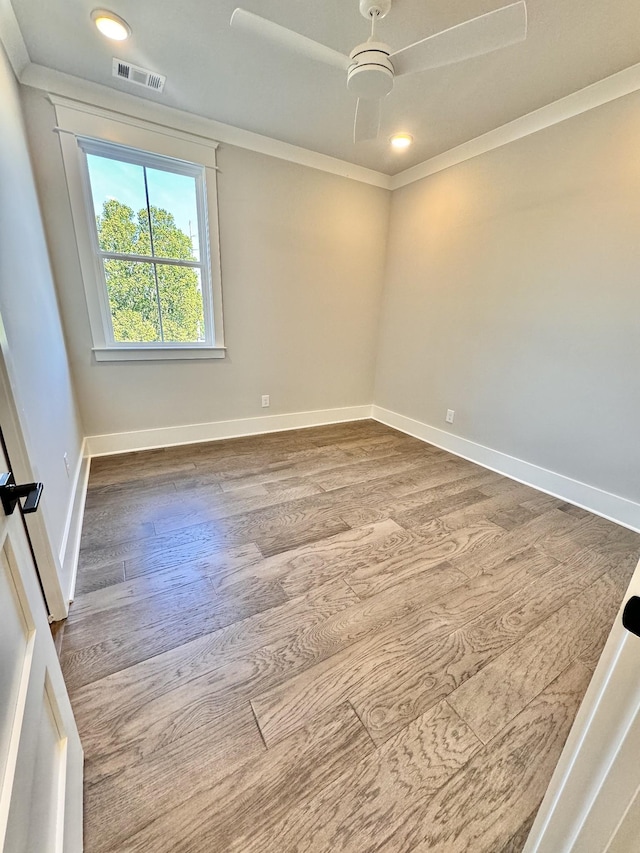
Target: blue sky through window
<point>115,179</point>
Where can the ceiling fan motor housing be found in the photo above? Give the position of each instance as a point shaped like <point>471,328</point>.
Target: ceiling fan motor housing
<point>370,74</point>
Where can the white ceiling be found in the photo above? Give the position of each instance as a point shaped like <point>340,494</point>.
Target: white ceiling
<point>222,74</point>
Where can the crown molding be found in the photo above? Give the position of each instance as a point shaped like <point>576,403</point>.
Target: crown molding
<point>12,40</point>
<point>95,94</point>
<point>608,89</point>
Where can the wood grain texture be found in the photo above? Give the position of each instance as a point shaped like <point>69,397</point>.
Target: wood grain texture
<point>519,838</point>
<point>94,579</point>
<point>490,699</point>
<point>163,553</point>
<point>121,637</point>
<point>379,798</point>
<point>439,664</point>
<point>431,605</point>
<point>469,812</point>
<point>542,532</point>
<point>147,690</point>
<point>320,687</point>
<point>253,798</point>
<point>304,567</point>
<point>276,638</point>
<point>123,793</point>
<point>189,511</point>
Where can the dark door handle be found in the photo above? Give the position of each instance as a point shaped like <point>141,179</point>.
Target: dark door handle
<point>631,615</point>
<point>10,494</point>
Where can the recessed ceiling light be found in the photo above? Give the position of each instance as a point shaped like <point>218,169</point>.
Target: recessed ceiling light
<point>401,140</point>
<point>111,25</point>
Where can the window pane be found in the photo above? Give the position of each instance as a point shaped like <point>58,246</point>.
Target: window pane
<point>181,302</point>
<point>133,301</point>
<point>174,215</point>
<point>120,205</point>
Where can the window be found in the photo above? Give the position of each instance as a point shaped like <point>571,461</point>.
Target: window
<point>149,225</point>
<point>142,221</point>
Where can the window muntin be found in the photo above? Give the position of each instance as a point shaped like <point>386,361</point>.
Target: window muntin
<point>149,232</point>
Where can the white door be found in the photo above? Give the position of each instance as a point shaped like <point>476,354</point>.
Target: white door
<point>14,437</point>
<point>592,804</point>
<point>40,752</point>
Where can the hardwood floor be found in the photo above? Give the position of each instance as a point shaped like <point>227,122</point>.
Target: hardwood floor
<point>337,638</point>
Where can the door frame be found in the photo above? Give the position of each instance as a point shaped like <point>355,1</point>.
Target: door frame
<point>47,561</point>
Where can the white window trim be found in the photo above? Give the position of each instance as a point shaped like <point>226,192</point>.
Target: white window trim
<point>143,158</point>
<point>88,132</point>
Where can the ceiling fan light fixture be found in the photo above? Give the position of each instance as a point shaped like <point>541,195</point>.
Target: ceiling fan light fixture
<point>400,141</point>
<point>111,25</point>
<point>371,67</point>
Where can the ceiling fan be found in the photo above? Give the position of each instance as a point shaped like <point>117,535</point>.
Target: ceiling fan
<point>371,67</point>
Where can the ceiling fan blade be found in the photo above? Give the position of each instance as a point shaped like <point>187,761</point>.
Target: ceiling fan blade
<point>484,34</point>
<point>287,39</point>
<point>367,121</point>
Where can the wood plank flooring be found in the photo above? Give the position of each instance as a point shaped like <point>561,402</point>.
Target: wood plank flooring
<point>333,639</point>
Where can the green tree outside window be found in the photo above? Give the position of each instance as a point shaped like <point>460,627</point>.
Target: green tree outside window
<point>136,313</point>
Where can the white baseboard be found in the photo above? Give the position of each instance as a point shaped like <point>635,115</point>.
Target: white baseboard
<point>147,439</point>
<point>70,548</point>
<point>612,507</point>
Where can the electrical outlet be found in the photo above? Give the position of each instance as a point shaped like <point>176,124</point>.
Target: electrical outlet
<point>450,416</point>
<point>265,401</point>
<point>66,464</point>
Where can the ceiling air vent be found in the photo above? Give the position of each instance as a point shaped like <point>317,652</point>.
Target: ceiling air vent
<point>139,76</point>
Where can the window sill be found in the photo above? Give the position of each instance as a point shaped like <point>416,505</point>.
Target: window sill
<point>156,353</point>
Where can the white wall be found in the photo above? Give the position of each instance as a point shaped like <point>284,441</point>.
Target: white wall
<point>302,271</point>
<point>35,349</point>
<point>512,296</point>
